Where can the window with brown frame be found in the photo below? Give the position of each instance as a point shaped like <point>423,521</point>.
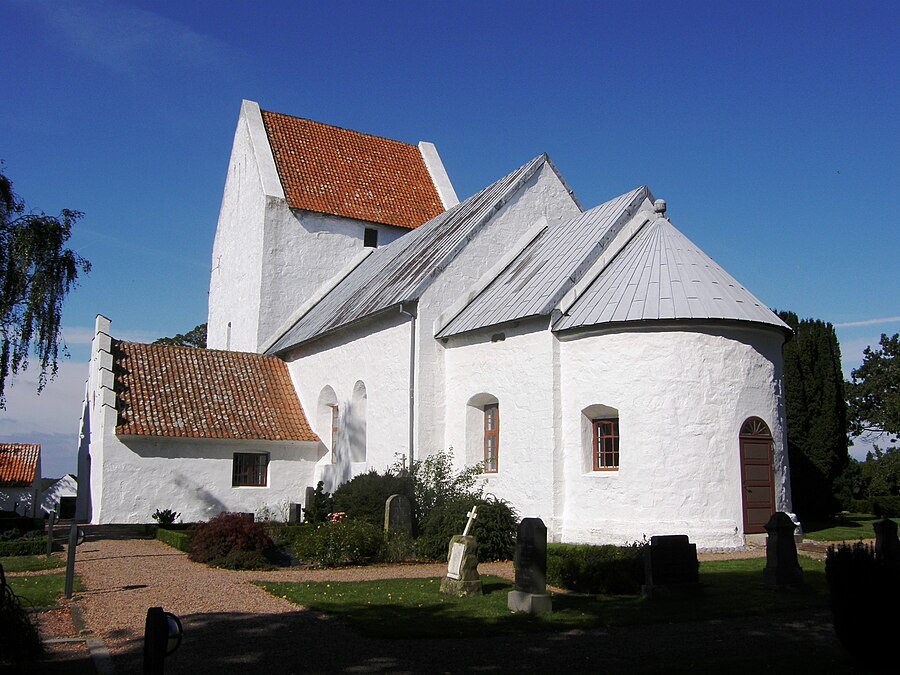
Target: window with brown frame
<point>250,469</point>
<point>491,437</point>
<point>606,444</point>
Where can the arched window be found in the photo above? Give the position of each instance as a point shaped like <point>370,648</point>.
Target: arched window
<point>600,437</point>
<point>357,423</point>
<point>327,420</point>
<point>483,432</point>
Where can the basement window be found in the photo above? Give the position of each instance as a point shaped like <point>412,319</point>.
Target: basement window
<point>250,469</point>
<point>370,238</point>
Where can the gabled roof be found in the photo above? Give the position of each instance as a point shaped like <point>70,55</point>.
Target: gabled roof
<point>346,173</point>
<point>18,464</point>
<point>661,275</point>
<point>537,278</point>
<point>402,270</point>
<point>205,393</point>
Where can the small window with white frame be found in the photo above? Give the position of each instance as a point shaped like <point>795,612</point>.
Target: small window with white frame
<point>250,469</point>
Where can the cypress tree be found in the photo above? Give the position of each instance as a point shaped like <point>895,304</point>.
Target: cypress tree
<point>816,416</point>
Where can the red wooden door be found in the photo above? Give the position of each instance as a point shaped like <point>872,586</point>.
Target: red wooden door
<point>756,475</point>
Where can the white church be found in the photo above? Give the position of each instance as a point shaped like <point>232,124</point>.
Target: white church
<point>611,378</point>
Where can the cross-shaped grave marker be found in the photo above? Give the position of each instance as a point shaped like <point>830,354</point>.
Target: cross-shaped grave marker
<point>472,516</point>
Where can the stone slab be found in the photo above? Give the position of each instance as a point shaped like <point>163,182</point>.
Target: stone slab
<point>460,588</point>
<point>529,603</point>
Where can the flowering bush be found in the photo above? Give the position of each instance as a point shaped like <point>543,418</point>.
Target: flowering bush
<point>336,517</point>
<point>339,543</point>
<point>213,541</point>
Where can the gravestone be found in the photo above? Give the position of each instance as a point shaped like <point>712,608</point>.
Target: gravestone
<point>782,567</point>
<point>887,545</point>
<point>531,569</point>
<point>398,514</point>
<point>670,567</point>
<point>462,563</point>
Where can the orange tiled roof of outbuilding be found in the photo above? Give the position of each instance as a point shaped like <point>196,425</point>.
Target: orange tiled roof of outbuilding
<point>18,464</point>
<point>347,173</point>
<point>185,392</point>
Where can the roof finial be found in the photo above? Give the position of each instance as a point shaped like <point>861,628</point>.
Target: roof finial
<point>660,206</point>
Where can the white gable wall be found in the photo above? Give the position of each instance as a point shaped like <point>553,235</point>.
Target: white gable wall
<point>375,353</point>
<point>235,281</point>
<point>682,397</point>
<point>518,372</point>
<point>193,477</point>
<point>301,251</point>
<point>544,195</point>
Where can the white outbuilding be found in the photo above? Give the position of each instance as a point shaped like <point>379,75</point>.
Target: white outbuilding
<point>612,379</point>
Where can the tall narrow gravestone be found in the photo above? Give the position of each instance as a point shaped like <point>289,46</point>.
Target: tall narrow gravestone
<point>531,569</point>
<point>782,567</point>
<point>462,563</point>
<point>397,514</point>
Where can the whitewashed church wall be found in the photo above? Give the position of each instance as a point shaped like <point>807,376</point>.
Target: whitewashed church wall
<point>376,354</point>
<point>682,397</point>
<point>301,251</point>
<point>193,477</point>
<point>235,279</point>
<point>544,195</point>
<point>517,372</point>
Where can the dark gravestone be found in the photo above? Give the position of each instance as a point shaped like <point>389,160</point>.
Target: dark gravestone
<point>782,567</point>
<point>531,569</point>
<point>887,545</point>
<point>398,514</point>
<point>670,567</point>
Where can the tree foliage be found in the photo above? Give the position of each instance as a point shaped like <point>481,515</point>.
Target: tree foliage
<point>196,337</point>
<point>816,415</point>
<point>36,274</point>
<point>874,391</point>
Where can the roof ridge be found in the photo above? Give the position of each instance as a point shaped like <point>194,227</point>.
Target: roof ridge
<point>205,350</point>
<point>339,128</point>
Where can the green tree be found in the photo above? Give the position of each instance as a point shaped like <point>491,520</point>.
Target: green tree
<point>196,337</point>
<point>36,274</point>
<point>873,393</point>
<point>816,416</point>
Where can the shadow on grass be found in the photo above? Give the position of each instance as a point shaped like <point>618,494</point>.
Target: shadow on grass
<point>307,642</point>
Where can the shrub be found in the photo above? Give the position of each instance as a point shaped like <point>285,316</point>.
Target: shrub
<point>435,483</point>
<point>864,595</point>
<point>22,547</point>
<point>596,569</point>
<point>166,517</point>
<point>214,540</point>
<point>347,542</point>
<point>19,638</point>
<point>180,540</point>
<point>494,528</point>
<point>320,506</point>
<point>363,497</point>
<point>10,521</point>
<point>398,547</point>
<point>236,559</point>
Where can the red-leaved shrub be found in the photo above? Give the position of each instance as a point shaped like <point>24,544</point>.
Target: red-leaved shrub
<point>214,540</point>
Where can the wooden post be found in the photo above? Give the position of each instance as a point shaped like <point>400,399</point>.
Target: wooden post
<point>70,560</point>
<point>50,523</point>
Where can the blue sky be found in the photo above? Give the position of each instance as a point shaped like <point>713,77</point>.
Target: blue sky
<point>771,129</point>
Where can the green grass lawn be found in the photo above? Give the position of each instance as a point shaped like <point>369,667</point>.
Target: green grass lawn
<point>31,563</point>
<point>415,608</point>
<point>847,527</point>
<point>40,590</point>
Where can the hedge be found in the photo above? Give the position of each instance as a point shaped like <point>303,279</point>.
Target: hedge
<point>23,547</point>
<point>881,505</point>
<point>179,539</point>
<point>9,521</point>
<point>348,542</point>
<point>596,569</point>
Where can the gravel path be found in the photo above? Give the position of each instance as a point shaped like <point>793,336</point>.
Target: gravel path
<point>233,626</point>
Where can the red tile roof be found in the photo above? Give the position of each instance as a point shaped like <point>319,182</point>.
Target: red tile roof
<point>205,393</point>
<point>18,464</point>
<point>345,173</point>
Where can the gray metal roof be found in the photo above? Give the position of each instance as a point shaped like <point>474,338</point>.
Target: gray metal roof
<point>402,270</point>
<point>540,275</point>
<point>660,274</point>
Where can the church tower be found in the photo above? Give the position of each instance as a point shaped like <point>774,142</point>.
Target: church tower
<point>303,204</point>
